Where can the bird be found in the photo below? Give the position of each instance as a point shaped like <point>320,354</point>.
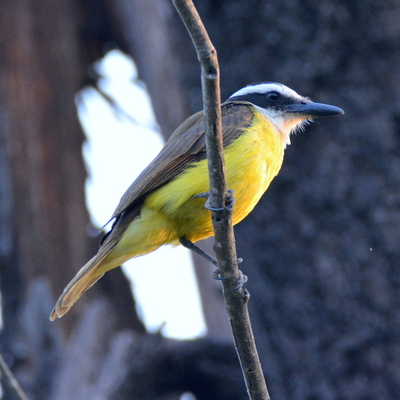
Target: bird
<point>164,205</point>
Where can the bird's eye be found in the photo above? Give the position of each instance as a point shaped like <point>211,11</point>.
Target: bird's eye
<point>273,96</point>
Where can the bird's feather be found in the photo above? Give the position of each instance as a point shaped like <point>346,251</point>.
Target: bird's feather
<point>185,146</point>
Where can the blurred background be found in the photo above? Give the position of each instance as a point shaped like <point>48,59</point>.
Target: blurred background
<point>321,249</point>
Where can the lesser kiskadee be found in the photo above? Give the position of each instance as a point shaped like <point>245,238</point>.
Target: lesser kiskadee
<point>162,205</point>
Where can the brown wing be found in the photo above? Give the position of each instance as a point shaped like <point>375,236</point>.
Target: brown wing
<point>185,146</point>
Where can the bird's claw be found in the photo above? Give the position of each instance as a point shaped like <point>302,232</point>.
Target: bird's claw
<point>241,280</point>
<point>208,206</point>
<point>229,201</point>
<point>217,275</point>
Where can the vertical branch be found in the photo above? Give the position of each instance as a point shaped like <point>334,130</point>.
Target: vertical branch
<point>207,57</point>
<point>225,248</point>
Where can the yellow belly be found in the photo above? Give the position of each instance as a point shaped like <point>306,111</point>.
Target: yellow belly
<point>171,212</point>
<point>252,161</point>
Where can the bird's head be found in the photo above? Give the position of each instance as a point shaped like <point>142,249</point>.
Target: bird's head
<point>286,109</point>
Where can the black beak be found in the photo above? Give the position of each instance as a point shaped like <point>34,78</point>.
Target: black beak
<point>312,109</point>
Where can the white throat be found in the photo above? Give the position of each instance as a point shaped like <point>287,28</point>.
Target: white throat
<point>285,123</point>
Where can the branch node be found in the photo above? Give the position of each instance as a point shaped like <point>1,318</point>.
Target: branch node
<point>211,73</point>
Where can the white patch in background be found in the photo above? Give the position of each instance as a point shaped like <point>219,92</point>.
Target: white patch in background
<point>116,151</point>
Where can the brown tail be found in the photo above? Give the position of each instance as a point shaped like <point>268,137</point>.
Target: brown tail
<point>96,267</point>
<point>83,280</point>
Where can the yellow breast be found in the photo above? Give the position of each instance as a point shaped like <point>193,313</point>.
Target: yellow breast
<point>252,161</point>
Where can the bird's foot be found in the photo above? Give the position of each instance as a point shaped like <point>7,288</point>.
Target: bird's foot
<point>229,201</point>
<point>241,280</point>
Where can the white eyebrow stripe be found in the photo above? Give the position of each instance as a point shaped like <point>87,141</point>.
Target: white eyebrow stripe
<point>262,88</point>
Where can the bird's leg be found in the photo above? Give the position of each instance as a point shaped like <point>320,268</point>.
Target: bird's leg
<point>229,201</point>
<point>191,246</point>
<point>216,274</point>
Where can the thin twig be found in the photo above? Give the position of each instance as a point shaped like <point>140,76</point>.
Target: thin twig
<point>9,380</point>
<point>225,248</point>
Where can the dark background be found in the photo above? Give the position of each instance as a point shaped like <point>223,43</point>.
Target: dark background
<point>321,248</point>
